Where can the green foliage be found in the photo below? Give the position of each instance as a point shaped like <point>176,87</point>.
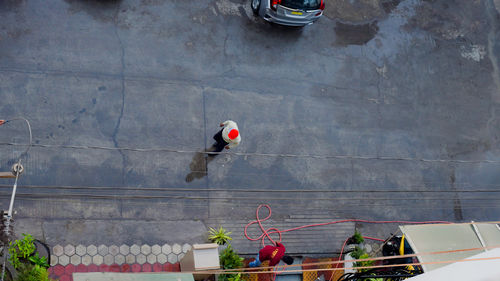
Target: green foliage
<point>364,263</point>
<point>357,238</point>
<point>219,236</point>
<point>21,248</point>
<point>32,272</point>
<point>41,261</point>
<point>357,253</point>
<point>229,259</point>
<point>237,277</point>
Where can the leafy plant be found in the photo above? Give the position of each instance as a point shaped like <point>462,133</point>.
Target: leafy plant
<point>363,263</point>
<point>357,252</point>
<point>41,261</point>
<point>21,248</point>
<point>237,277</point>
<point>33,272</point>
<point>229,259</point>
<point>219,236</point>
<point>357,238</point>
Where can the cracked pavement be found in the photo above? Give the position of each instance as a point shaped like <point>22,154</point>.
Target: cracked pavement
<point>380,110</point>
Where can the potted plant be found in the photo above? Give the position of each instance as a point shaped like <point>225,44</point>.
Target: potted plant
<point>29,257</point>
<point>219,236</point>
<point>354,240</point>
<point>229,259</point>
<point>20,250</point>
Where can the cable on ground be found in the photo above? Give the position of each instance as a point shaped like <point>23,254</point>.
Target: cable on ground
<point>283,155</point>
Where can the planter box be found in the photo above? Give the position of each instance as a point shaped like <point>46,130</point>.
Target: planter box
<point>201,257</point>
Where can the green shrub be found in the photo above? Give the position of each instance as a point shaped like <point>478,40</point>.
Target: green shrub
<point>41,261</point>
<point>219,236</point>
<point>229,259</point>
<point>357,238</point>
<point>21,248</point>
<point>237,277</point>
<point>357,253</point>
<point>363,263</point>
<point>32,272</point>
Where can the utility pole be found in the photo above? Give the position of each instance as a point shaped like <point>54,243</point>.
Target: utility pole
<point>17,169</point>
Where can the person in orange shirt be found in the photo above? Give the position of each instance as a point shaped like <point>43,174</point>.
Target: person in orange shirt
<point>273,254</point>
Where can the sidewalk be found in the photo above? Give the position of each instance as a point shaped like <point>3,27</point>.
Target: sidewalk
<point>66,259</point>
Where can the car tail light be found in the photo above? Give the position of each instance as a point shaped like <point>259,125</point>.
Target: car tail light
<point>318,13</point>
<point>322,5</point>
<point>274,4</point>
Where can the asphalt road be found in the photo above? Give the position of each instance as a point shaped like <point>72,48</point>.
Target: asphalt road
<point>375,112</point>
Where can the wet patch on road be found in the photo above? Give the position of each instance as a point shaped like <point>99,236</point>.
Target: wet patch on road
<point>352,34</point>
<point>104,11</point>
<point>390,5</point>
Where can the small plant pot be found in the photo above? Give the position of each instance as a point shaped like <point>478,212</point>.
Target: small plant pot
<point>350,247</point>
<point>42,249</point>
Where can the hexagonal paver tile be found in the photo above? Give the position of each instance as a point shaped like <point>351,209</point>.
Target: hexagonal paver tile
<point>172,258</point>
<point>69,250</point>
<point>161,258</point>
<point>64,260</point>
<point>97,260</point>
<point>91,250</point>
<point>166,249</point>
<point>176,249</point>
<point>180,256</point>
<point>114,250</point>
<point>151,258</point>
<point>119,259</point>
<point>80,250</point>
<point>53,260</point>
<point>186,247</point>
<point>102,250</point>
<point>156,249</point>
<point>140,258</point>
<point>58,250</point>
<point>124,250</point>
<point>130,259</point>
<point>86,260</point>
<point>76,260</point>
<point>146,249</point>
<point>109,259</point>
<point>135,249</point>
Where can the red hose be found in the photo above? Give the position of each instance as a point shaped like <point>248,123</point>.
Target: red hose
<point>267,232</point>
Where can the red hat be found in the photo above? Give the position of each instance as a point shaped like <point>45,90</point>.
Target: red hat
<point>233,134</point>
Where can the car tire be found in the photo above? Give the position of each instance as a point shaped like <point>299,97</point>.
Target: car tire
<point>255,5</point>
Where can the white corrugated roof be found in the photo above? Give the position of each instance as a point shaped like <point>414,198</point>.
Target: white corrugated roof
<point>449,237</point>
<point>478,270</point>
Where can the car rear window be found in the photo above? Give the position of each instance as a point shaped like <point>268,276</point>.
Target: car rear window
<point>301,4</point>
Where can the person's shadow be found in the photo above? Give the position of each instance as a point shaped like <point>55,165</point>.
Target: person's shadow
<point>200,162</point>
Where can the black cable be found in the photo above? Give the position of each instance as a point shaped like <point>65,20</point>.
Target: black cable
<point>283,155</point>
<point>249,190</point>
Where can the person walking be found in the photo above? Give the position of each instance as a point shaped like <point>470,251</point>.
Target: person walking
<point>273,254</point>
<point>228,137</point>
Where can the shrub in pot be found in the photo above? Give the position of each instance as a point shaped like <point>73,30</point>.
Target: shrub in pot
<point>229,259</point>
